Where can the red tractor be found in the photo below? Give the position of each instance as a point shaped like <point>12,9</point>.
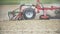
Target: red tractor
<point>30,11</point>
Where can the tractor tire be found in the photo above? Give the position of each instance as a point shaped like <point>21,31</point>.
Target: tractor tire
<point>29,13</point>
<point>10,16</point>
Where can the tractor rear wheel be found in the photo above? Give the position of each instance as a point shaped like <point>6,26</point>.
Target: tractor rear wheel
<point>29,13</point>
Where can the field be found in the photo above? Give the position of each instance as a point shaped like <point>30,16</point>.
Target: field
<point>13,2</point>
<point>30,27</point>
<point>26,26</point>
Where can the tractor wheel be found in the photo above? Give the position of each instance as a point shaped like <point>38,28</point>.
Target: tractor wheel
<point>29,13</point>
<point>10,16</point>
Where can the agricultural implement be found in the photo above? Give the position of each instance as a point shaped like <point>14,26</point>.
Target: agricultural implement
<point>29,11</point>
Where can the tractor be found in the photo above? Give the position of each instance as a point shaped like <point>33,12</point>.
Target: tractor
<point>28,12</point>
